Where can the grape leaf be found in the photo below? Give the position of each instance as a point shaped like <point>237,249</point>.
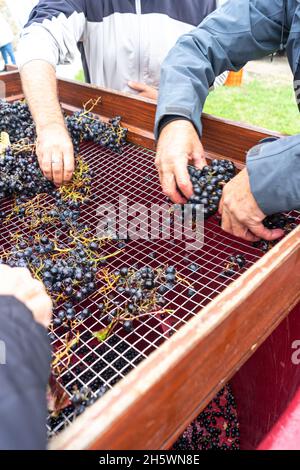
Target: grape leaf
<point>103,334</point>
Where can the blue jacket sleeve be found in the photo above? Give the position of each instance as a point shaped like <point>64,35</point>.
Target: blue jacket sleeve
<point>239,31</point>
<point>274,172</point>
<point>24,372</point>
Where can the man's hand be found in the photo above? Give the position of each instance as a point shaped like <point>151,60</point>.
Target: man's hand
<point>178,147</point>
<point>54,146</point>
<point>241,216</point>
<point>19,283</point>
<point>144,90</point>
<point>55,153</point>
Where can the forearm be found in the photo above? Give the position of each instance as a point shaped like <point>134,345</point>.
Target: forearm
<point>39,81</point>
<point>54,146</point>
<point>236,33</point>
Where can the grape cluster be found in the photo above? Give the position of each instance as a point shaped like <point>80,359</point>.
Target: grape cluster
<point>66,213</point>
<point>138,286</point>
<point>88,127</point>
<point>279,221</point>
<point>138,290</point>
<point>233,265</point>
<point>208,184</point>
<point>83,398</point>
<point>20,175</point>
<point>16,120</point>
<point>66,272</point>
<point>276,221</point>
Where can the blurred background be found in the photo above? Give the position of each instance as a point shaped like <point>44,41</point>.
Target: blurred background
<point>264,95</point>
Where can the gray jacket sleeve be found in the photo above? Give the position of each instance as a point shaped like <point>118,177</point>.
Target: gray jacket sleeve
<point>24,373</point>
<point>239,31</point>
<point>274,171</point>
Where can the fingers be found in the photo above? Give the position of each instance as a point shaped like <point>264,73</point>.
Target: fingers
<point>178,145</point>
<point>144,90</point>
<point>19,283</point>
<point>140,87</point>
<point>231,225</point>
<point>264,233</point>
<point>253,233</point>
<point>46,164</point>
<point>150,93</point>
<point>226,222</point>
<point>21,274</point>
<point>31,288</point>
<point>58,167</point>
<point>39,155</point>
<point>241,231</point>
<point>41,306</point>
<point>241,215</point>
<point>183,179</point>
<point>234,227</point>
<point>37,300</point>
<point>69,164</point>
<point>199,158</point>
<point>57,161</point>
<point>221,206</point>
<point>169,187</point>
<point>4,269</point>
<point>56,154</point>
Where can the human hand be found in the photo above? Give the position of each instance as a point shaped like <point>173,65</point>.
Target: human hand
<point>241,216</point>
<point>178,146</point>
<point>55,153</point>
<point>18,282</point>
<point>144,90</point>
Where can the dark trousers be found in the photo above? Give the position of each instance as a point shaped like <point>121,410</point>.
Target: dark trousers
<point>7,51</point>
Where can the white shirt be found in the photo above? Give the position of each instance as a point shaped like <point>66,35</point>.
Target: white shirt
<point>121,40</point>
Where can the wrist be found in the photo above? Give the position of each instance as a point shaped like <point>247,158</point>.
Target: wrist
<point>179,126</point>
<point>166,120</point>
<point>56,123</point>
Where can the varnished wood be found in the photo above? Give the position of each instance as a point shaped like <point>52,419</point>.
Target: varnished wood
<point>155,402</point>
<point>135,135</point>
<point>235,139</point>
<point>138,115</point>
<point>13,87</point>
<point>141,115</point>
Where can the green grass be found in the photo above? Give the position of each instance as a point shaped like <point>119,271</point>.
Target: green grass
<point>263,104</point>
<point>80,76</point>
<point>260,103</point>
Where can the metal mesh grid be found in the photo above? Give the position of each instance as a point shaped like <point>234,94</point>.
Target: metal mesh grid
<point>95,364</point>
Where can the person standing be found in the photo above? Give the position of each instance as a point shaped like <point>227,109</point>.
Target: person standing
<point>6,40</point>
<point>123,44</point>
